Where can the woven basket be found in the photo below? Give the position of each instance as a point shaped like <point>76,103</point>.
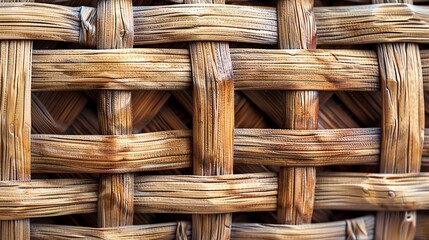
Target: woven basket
<point>202,119</point>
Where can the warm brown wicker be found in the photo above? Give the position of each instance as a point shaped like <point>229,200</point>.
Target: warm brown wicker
<point>223,122</point>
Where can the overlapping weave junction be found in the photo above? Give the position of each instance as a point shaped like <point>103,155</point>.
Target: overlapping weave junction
<point>206,119</point>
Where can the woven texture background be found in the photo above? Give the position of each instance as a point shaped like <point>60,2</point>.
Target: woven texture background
<point>206,119</point>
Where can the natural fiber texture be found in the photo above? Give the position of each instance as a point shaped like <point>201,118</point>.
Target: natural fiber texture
<point>214,119</point>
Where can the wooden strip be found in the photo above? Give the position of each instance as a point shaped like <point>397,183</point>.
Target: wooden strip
<point>361,228</point>
<point>372,192</point>
<point>162,24</point>
<point>15,120</point>
<point>163,231</point>
<point>15,123</point>
<point>353,24</point>
<point>206,195</point>
<point>170,69</point>
<point>376,23</point>
<point>172,149</point>
<point>258,192</point>
<point>205,22</point>
<point>285,147</point>
<point>297,30</point>
<point>47,198</point>
<point>190,194</point>
<point>402,126</point>
<point>115,28</point>
<point>403,108</point>
<point>125,69</point>
<point>358,228</point>
<point>112,154</point>
<point>38,21</point>
<point>330,70</point>
<point>213,123</point>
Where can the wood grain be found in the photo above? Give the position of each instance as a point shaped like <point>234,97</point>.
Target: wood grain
<point>42,22</point>
<point>353,24</point>
<point>402,127</point>
<point>170,69</point>
<point>162,231</point>
<point>44,198</point>
<point>402,122</point>
<point>162,24</point>
<point>173,149</point>
<point>213,124</point>
<point>208,195</point>
<point>338,191</point>
<point>15,123</point>
<point>362,227</point>
<point>115,29</point>
<point>205,22</point>
<point>357,228</point>
<point>191,194</point>
<point>297,30</point>
<point>112,154</point>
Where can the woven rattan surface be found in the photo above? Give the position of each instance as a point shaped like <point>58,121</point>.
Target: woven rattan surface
<point>206,119</point>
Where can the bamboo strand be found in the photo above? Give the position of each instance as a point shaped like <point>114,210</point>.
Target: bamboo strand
<point>402,125</point>
<point>162,24</point>
<point>173,149</point>
<point>15,108</point>
<point>363,227</point>
<point>297,29</point>
<point>115,30</point>
<point>213,124</point>
<point>190,194</point>
<point>170,69</point>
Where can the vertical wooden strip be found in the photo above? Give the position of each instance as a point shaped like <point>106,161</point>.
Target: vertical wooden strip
<point>15,122</point>
<point>116,193</point>
<point>213,124</point>
<point>402,125</point>
<point>297,30</point>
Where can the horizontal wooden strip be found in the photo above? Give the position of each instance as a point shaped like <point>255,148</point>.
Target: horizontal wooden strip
<point>126,69</point>
<point>163,231</point>
<point>283,147</point>
<point>170,150</point>
<point>36,21</point>
<point>190,194</point>
<point>323,231</point>
<point>232,23</point>
<point>372,192</point>
<point>111,154</point>
<point>169,69</point>
<point>375,23</point>
<point>204,22</point>
<point>324,70</point>
<point>206,195</point>
<point>173,149</point>
<point>258,192</point>
<point>45,198</point>
<point>335,25</point>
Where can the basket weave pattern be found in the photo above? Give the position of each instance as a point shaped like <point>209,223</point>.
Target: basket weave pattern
<point>217,164</point>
